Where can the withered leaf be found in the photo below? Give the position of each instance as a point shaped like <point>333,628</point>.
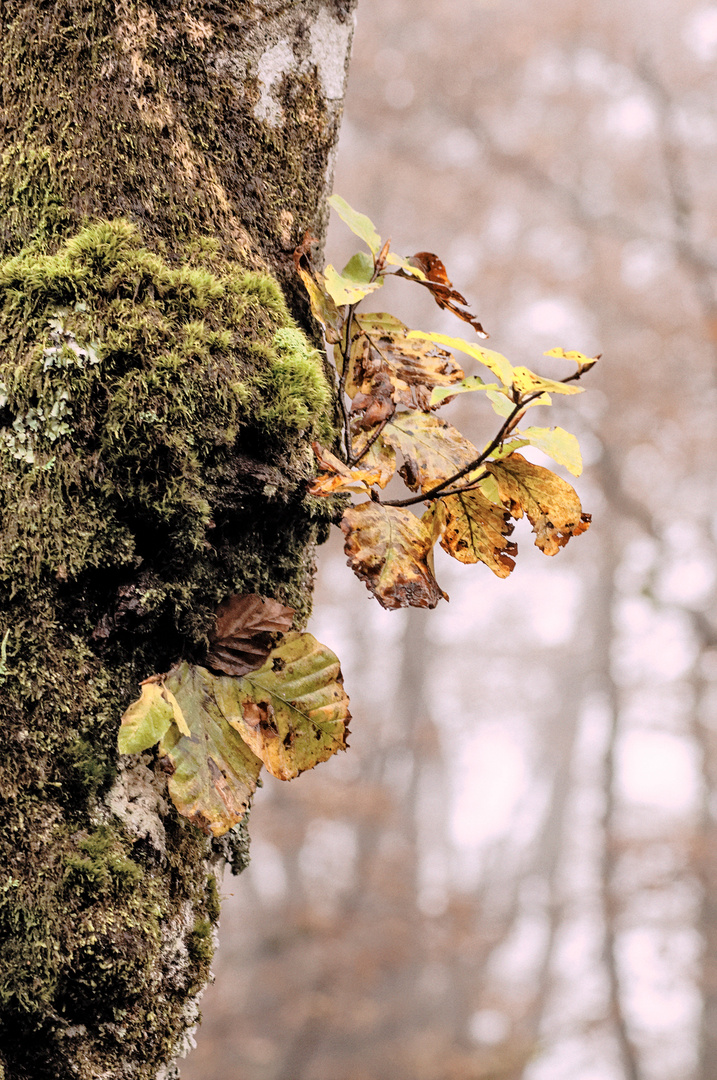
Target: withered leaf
<point>335,476</point>
<point>476,530</point>
<point>293,712</point>
<point>432,449</point>
<point>415,361</point>
<point>549,502</point>
<point>436,279</point>
<point>390,550</point>
<point>212,772</point>
<point>379,459</point>
<point>245,632</point>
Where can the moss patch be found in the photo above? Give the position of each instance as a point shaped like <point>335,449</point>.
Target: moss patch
<point>155,422</point>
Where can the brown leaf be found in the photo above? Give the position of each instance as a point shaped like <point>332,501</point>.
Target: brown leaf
<point>376,403</point>
<point>476,530</point>
<point>390,549</point>
<point>245,633</point>
<point>444,294</point>
<point>549,502</point>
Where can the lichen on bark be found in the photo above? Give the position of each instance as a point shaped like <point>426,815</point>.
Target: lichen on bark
<point>157,402</point>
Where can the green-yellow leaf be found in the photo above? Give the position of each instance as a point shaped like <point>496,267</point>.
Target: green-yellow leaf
<point>359,224</point>
<point>466,386</point>
<point>350,286</point>
<point>557,443</point>
<point>504,405</point>
<point>293,712</point>
<point>432,450</point>
<point>390,550</point>
<point>549,502</point>
<point>213,773</point>
<point>494,361</point>
<point>322,306</point>
<point>527,382</point>
<point>146,720</point>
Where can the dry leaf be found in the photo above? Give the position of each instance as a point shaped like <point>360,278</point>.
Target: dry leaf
<point>390,549</point>
<point>442,288</point>
<point>549,502</point>
<point>245,632</point>
<point>336,476</point>
<point>476,530</point>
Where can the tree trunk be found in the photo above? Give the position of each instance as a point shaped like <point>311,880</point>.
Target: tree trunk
<point>158,164</point>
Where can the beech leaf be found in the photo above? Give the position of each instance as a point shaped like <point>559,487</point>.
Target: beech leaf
<point>432,450</point>
<point>549,502</point>
<point>323,307</point>
<point>476,530</point>
<point>245,632</point>
<point>584,362</point>
<point>414,361</point>
<point>212,772</point>
<point>146,720</point>
<point>353,283</point>
<point>359,224</point>
<point>436,279</point>
<point>557,443</point>
<point>336,476</point>
<point>466,386</point>
<point>293,712</point>
<point>527,382</point>
<point>390,550</point>
<point>494,361</point>
<point>379,459</point>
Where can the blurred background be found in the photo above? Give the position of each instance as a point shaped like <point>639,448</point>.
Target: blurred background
<point>512,875</point>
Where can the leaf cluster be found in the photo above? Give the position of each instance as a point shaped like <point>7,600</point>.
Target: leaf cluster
<point>391,383</point>
<point>268,696</point>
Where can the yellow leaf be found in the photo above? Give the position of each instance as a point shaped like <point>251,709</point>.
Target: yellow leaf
<point>556,442</point>
<point>496,362</point>
<point>584,362</point>
<point>432,450</point>
<point>379,459</point>
<point>527,382</point>
<point>389,548</point>
<point>476,530</point>
<point>146,720</point>
<point>346,288</point>
<point>550,504</point>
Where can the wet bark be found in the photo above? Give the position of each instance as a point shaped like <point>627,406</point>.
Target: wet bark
<point>158,164</point>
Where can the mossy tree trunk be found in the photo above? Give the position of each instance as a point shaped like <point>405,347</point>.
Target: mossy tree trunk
<point>158,164</point>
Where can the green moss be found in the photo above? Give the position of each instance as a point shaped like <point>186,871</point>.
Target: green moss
<point>155,422</point>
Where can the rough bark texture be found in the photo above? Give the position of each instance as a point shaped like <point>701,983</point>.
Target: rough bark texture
<point>157,399</point>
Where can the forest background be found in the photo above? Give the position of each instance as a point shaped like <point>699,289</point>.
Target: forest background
<point>513,872</point>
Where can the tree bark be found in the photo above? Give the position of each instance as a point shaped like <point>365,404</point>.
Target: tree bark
<point>158,165</point>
